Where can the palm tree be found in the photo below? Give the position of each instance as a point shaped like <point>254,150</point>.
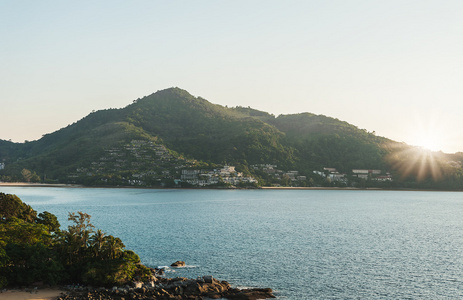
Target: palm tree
<point>71,246</point>
<point>97,241</point>
<point>113,246</point>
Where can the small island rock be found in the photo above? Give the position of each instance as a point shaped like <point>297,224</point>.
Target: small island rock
<point>178,263</point>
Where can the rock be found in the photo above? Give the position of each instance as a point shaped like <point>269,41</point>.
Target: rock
<point>178,290</point>
<point>250,294</point>
<point>158,272</point>
<point>178,263</point>
<point>173,289</point>
<point>137,284</point>
<point>149,284</point>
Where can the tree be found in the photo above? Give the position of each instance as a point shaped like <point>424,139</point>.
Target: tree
<point>285,180</point>
<point>82,228</point>
<point>12,206</point>
<point>97,241</point>
<point>29,251</point>
<point>27,175</point>
<point>112,247</point>
<point>4,259</point>
<point>30,263</point>
<point>49,220</point>
<point>17,231</point>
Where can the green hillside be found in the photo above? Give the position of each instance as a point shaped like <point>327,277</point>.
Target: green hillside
<point>330,142</point>
<point>154,138</point>
<point>208,132</point>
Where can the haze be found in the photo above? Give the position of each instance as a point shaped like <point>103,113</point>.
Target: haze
<point>393,67</point>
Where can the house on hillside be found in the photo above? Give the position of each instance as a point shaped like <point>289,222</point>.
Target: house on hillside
<point>364,173</point>
<point>371,174</point>
<point>227,174</point>
<point>333,174</point>
<point>227,170</point>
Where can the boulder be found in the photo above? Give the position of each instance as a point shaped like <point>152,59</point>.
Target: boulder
<point>250,294</point>
<point>178,288</point>
<point>160,272</point>
<point>178,263</point>
<point>149,284</point>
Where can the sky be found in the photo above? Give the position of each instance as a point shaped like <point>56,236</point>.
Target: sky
<point>392,67</point>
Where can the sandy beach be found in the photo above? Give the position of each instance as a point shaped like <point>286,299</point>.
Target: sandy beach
<point>28,184</point>
<point>62,185</point>
<point>40,294</point>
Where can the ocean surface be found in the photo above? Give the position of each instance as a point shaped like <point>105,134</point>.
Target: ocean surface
<point>304,244</point>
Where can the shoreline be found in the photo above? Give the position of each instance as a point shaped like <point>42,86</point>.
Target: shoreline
<point>27,184</point>
<point>32,294</point>
<point>64,185</point>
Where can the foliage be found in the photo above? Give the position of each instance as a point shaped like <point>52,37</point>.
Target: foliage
<point>17,231</point>
<point>35,249</point>
<point>30,263</point>
<point>12,207</point>
<point>49,220</point>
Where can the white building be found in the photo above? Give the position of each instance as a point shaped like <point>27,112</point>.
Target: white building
<point>190,174</point>
<point>362,171</point>
<point>227,170</point>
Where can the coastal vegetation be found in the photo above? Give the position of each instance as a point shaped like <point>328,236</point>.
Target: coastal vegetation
<point>151,141</point>
<point>33,248</point>
<point>35,251</point>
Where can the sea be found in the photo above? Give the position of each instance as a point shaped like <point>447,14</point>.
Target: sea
<point>304,244</point>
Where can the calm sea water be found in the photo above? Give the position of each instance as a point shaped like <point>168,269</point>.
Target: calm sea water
<point>304,244</point>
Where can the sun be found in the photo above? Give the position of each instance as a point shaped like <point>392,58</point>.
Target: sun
<point>428,133</point>
<point>432,143</point>
<point>422,157</point>
<point>417,162</point>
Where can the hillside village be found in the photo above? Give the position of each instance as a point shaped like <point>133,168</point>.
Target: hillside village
<point>226,175</point>
<point>332,174</point>
<point>326,177</point>
<point>139,162</point>
<point>150,163</point>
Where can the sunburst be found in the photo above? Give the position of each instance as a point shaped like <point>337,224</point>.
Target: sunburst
<point>429,132</point>
<point>417,162</point>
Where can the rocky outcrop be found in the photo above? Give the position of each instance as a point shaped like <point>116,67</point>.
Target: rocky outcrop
<point>178,264</point>
<point>179,288</point>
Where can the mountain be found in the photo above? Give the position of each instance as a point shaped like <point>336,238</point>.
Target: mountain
<point>170,130</point>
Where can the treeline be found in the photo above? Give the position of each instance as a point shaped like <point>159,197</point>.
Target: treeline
<point>33,248</point>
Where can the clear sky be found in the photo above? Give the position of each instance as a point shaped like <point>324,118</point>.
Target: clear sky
<point>393,67</point>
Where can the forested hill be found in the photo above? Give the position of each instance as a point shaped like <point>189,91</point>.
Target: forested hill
<point>172,130</point>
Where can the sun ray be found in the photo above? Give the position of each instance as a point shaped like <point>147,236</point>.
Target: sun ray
<point>416,162</point>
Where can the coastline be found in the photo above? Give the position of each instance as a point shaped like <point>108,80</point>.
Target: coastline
<point>28,184</point>
<point>63,185</point>
<point>315,188</point>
